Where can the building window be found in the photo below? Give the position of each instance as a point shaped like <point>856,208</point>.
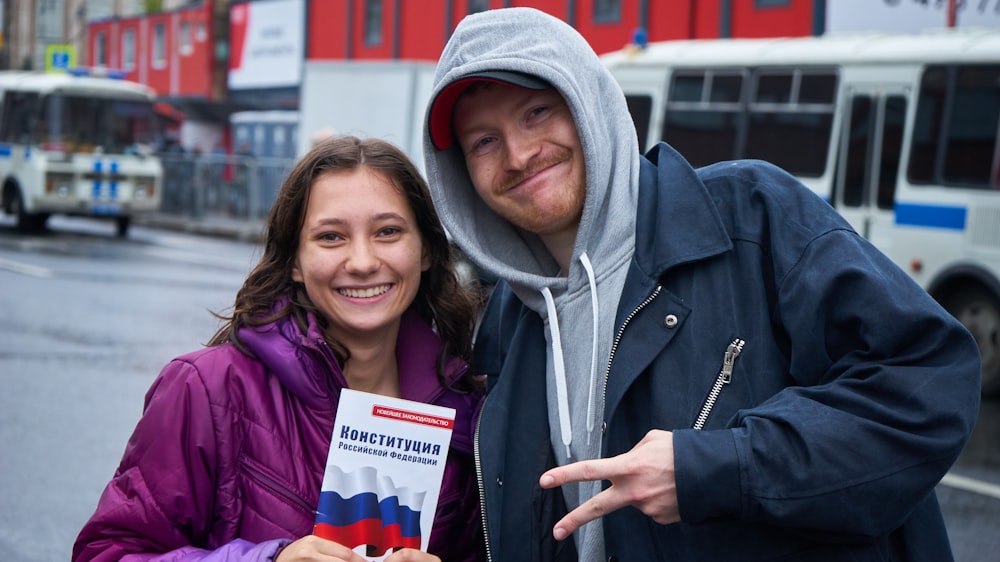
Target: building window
<point>771,3</point>
<point>373,22</point>
<point>476,6</point>
<point>159,45</point>
<point>128,49</point>
<point>101,49</point>
<point>184,45</point>
<point>607,11</point>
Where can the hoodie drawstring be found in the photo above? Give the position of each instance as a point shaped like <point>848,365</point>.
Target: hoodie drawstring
<point>559,367</point>
<point>593,346</point>
<point>562,398</point>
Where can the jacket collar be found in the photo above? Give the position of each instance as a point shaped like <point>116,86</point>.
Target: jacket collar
<point>306,366</point>
<point>677,222</point>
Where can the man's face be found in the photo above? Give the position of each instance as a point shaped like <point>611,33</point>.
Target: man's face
<point>524,156</point>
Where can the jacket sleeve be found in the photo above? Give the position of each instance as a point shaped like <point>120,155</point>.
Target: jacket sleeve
<point>160,502</point>
<point>881,396</point>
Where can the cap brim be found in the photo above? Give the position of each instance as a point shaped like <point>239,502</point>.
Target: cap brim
<point>443,105</point>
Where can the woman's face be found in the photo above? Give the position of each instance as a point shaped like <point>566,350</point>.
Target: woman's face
<point>360,255</point>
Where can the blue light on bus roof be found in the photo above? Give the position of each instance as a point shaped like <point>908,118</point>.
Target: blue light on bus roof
<point>97,71</point>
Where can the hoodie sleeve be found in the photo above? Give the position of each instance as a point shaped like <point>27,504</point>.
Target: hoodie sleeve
<point>162,497</point>
<point>882,395</point>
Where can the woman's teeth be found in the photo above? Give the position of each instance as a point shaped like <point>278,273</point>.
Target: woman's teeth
<point>364,293</point>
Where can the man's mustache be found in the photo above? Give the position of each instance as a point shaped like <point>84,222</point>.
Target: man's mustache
<point>510,179</point>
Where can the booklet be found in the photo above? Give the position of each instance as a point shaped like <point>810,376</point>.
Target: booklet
<point>383,473</point>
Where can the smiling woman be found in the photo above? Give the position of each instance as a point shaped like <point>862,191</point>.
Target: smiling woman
<point>360,258</point>
<point>356,288</point>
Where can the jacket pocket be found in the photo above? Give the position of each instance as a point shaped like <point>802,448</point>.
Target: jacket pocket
<point>264,478</point>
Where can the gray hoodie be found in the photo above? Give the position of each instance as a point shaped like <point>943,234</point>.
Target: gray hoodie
<point>580,331</point>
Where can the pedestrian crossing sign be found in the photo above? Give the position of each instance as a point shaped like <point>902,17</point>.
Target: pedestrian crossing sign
<point>60,58</point>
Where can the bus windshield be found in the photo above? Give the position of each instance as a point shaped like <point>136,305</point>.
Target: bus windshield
<point>76,123</point>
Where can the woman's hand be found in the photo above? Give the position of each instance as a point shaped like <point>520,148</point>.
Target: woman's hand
<point>411,555</point>
<point>315,549</point>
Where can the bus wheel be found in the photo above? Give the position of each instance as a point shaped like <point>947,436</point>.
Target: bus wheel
<point>979,311</point>
<point>121,226</point>
<point>25,222</point>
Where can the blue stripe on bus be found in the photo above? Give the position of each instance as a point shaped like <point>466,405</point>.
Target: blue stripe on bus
<point>112,184</point>
<point>5,150</point>
<point>97,181</point>
<point>933,216</point>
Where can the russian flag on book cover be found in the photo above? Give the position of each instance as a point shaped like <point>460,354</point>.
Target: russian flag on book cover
<point>362,508</point>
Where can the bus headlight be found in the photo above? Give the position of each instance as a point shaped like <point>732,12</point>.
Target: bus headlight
<point>58,184</point>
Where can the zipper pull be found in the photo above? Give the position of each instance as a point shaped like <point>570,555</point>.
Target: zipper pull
<point>731,354</point>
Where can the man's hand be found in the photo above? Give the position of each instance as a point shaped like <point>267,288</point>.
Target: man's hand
<point>642,477</point>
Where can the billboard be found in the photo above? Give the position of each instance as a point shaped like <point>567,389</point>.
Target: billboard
<point>267,44</point>
<point>908,16</point>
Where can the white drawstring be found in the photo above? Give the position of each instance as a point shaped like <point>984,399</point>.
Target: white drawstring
<point>562,398</point>
<point>593,346</point>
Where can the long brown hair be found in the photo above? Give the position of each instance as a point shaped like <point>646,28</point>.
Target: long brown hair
<point>442,300</point>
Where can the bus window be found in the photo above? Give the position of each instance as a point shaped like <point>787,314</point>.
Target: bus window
<point>795,141</point>
<point>955,134</point>
<point>893,123</point>
<point>972,129</point>
<point>88,124</point>
<point>703,115</point>
<point>687,87</point>
<point>20,110</point>
<point>774,88</point>
<point>858,139</point>
<point>640,107</point>
<point>791,119</point>
<point>725,88</point>
<point>927,126</point>
<point>818,88</point>
<point>703,137</point>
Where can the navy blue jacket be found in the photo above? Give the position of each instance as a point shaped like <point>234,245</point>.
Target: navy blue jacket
<point>846,393</point>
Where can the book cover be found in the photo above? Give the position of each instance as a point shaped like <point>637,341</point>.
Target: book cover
<point>383,473</point>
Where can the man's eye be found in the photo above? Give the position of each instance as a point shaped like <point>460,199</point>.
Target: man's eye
<point>539,110</point>
<point>482,144</point>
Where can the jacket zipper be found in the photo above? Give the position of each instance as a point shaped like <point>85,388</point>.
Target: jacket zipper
<point>724,378</point>
<point>276,488</point>
<point>481,483</point>
<point>607,374</point>
<point>614,346</point>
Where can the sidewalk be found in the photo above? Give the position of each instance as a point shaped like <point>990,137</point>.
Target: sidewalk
<point>245,230</point>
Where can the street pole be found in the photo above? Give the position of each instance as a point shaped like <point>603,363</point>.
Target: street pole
<point>952,8</point>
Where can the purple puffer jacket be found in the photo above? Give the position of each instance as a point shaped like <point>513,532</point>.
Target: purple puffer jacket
<point>227,460</point>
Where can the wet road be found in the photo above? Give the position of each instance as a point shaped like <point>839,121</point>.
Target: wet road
<point>86,322</point>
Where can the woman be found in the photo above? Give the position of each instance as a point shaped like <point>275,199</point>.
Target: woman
<point>356,289</point>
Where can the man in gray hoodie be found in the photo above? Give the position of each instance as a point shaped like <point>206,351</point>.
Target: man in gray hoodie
<point>683,364</point>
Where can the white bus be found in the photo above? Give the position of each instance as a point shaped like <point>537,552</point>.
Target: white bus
<point>898,132</point>
<point>76,145</point>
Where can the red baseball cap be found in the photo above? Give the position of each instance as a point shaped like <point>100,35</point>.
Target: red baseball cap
<point>443,105</point>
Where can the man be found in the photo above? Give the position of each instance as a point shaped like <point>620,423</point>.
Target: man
<point>742,375</point>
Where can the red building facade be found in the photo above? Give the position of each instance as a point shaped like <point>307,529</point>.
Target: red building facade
<point>171,51</point>
<point>408,30</point>
<point>190,55</point>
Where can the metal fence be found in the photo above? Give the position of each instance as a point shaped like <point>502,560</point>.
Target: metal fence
<point>221,185</point>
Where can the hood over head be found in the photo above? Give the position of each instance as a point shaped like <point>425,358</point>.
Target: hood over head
<point>531,49</point>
